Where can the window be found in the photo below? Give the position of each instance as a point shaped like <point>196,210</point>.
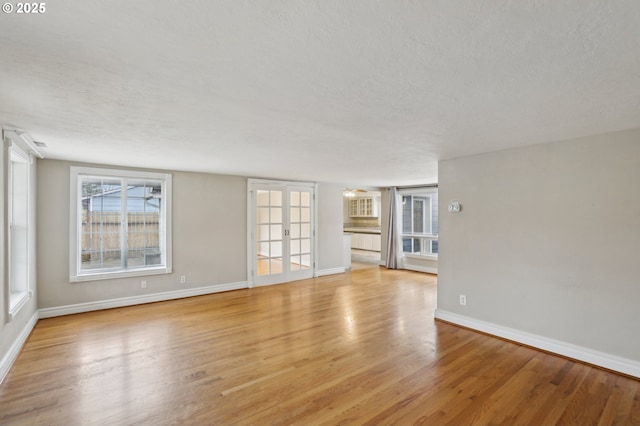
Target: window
<point>18,228</point>
<point>420,222</point>
<point>120,223</point>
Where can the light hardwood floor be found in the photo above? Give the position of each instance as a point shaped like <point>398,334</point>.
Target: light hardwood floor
<point>355,348</point>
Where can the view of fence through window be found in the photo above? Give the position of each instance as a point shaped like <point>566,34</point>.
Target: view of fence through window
<point>420,223</point>
<point>120,223</point>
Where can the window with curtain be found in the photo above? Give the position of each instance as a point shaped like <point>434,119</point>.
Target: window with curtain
<point>420,222</point>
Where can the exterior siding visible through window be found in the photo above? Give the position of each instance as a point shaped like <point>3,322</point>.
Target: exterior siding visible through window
<point>121,225</point>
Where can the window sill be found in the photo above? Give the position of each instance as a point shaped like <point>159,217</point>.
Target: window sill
<point>120,274</point>
<point>422,256</point>
<point>17,302</point>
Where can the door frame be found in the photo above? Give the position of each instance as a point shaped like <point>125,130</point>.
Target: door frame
<point>251,243</point>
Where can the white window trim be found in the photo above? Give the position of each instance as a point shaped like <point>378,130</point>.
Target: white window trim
<point>17,300</point>
<point>75,219</point>
<point>417,191</point>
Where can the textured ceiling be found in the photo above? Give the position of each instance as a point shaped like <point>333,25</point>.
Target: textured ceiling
<point>355,92</point>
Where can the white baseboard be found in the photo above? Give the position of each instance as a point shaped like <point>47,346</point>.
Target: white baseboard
<point>427,269</point>
<point>332,271</point>
<point>590,356</point>
<point>137,300</point>
<point>10,357</point>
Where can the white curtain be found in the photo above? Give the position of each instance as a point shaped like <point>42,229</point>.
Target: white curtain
<point>394,242</point>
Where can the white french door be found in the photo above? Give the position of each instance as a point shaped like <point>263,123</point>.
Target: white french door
<point>281,231</point>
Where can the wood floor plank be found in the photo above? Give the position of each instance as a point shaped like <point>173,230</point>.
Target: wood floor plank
<point>354,348</point>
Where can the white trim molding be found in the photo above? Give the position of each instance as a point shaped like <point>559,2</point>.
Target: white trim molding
<point>12,354</point>
<point>332,271</point>
<point>138,300</point>
<point>590,356</point>
<point>416,268</point>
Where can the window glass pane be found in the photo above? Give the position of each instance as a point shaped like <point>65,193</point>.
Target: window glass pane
<point>276,215</point>
<point>305,230</point>
<point>305,245</point>
<point>294,198</point>
<point>295,230</point>
<point>276,266</point>
<point>276,198</point>
<point>263,232</point>
<point>305,214</point>
<point>263,249</point>
<point>262,215</point>
<point>262,198</point>
<point>406,214</point>
<point>295,214</point>
<point>305,261</point>
<point>276,232</point>
<point>407,245</point>
<point>142,208</point>
<point>18,229</point>
<point>295,247</point>
<point>276,249</point>
<point>418,215</point>
<point>305,199</point>
<point>434,214</point>
<point>295,263</point>
<point>263,266</point>
<point>135,257</point>
<point>152,257</point>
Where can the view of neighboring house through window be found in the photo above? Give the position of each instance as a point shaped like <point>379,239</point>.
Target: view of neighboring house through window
<point>122,225</point>
<point>18,221</point>
<point>420,222</point>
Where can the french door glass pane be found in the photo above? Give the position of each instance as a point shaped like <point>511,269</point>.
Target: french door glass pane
<point>263,232</point>
<point>295,246</point>
<point>276,198</point>
<point>276,215</point>
<point>276,232</point>
<point>305,199</point>
<point>305,214</point>
<point>262,215</point>
<point>276,249</point>
<point>262,198</point>
<point>295,230</point>
<point>305,245</point>
<point>263,249</point>
<point>263,266</point>
<point>269,232</point>
<point>276,266</point>
<point>295,214</point>
<point>294,198</point>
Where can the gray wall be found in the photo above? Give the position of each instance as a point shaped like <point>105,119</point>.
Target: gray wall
<point>548,240</point>
<point>10,330</point>
<point>209,238</point>
<point>329,232</point>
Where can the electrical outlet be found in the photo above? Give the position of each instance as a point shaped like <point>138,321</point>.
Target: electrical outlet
<point>463,300</point>
<point>143,284</point>
<point>183,279</point>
